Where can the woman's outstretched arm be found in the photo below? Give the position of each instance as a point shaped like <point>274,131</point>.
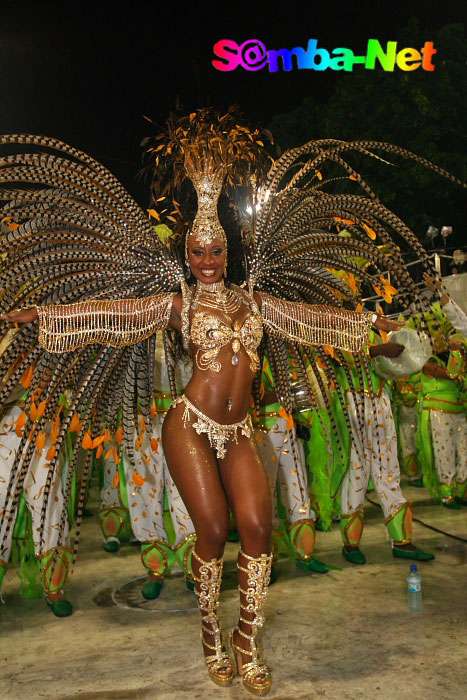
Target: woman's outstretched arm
<point>320,325</point>
<point>119,322</point>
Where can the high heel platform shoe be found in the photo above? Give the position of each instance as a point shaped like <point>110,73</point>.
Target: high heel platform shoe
<point>207,588</point>
<point>256,674</point>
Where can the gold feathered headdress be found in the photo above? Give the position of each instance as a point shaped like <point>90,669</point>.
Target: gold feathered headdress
<point>212,150</point>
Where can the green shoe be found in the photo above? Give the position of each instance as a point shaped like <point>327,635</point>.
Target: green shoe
<point>319,526</point>
<point>152,589</point>
<point>355,556</point>
<point>60,608</point>
<point>273,576</point>
<point>461,501</point>
<point>111,546</point>
<point>312,565</point>
<point>454,505</point>
<point>416,554</point>
<point>418,483</point>
<point>189,584</point>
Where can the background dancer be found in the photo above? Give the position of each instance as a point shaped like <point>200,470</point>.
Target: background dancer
<point>374,453</point>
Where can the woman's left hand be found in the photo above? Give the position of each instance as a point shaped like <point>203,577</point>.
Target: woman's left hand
<point>385,324</point>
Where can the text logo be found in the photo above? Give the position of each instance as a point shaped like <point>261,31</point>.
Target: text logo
<point>252,55</point>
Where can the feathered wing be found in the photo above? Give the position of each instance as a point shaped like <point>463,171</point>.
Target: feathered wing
<point>72,232</point>
<point>296,224</point>
<point>298,245</point>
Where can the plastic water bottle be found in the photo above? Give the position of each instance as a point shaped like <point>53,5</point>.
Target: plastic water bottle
<point>414,589</point>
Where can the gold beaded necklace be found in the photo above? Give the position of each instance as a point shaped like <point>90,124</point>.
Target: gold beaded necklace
<point>216,296</point>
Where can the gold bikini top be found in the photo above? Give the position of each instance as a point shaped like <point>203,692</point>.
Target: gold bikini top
<point>209,333</point>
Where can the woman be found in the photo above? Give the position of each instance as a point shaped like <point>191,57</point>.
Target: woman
<point>207,432</point>
<point>215,465</point>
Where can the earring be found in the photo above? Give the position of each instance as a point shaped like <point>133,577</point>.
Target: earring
<point>187,271</point>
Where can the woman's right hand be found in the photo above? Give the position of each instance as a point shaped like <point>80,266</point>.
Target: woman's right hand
<point>21,317</point>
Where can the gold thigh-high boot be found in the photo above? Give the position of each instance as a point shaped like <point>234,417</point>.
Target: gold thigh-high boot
<point>253,579</point>
<point>208,576</point>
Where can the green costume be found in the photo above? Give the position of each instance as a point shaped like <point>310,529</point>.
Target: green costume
<point>442,432</point>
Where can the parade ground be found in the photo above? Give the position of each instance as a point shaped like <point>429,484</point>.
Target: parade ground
<point>346,635</point>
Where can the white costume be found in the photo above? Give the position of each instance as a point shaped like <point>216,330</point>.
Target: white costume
<point>33,488</point>
<point>408,446</point>
<point>113,515</point>
<point>449,443</point>
<point>373,453</point>
<point>456,315</point>
<point>277,454</point>
<point>146,487</point>
<point>283,457</point>
<point>147,481</point>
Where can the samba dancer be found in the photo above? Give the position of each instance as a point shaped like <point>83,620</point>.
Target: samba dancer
<point>293,243</point>
<point>223,328</point>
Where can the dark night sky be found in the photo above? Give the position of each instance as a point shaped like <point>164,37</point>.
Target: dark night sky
<point>87,73</point>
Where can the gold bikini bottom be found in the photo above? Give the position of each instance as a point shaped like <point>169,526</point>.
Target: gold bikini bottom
<point>218,434</point>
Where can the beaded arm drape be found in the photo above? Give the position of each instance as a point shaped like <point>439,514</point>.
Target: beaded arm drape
<point>315,324</point>
<point>118,323</point>
<point>123,322</point>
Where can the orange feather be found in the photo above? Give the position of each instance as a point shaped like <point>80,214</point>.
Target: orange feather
<point>40,440</point>
<point>288,418</point>
<point>33,411</point>
<point>87,441</point>
<point>20,423</point>
<point>75,424</point>
<point>41,408</point>
<point>26,379</point>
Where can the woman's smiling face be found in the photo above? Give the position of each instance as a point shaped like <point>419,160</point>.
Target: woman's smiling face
<point>207,261</point>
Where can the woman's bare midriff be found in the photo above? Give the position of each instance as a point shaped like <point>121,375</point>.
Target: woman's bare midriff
<point>213,392</point>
